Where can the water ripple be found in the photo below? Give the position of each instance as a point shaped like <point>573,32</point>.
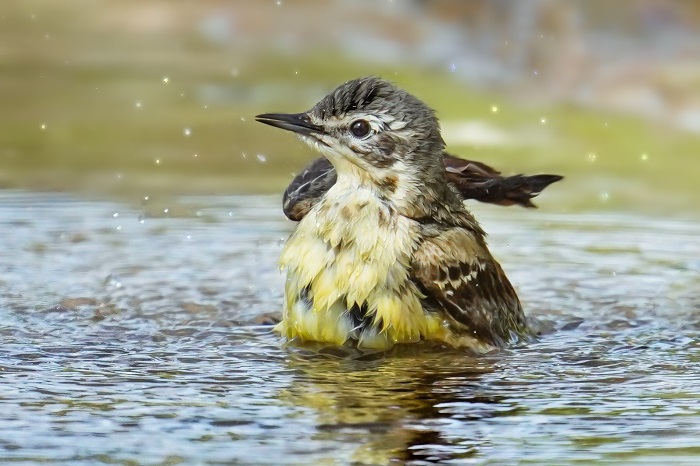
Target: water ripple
<point>133,338</point>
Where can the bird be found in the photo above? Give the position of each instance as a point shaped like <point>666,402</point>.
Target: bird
<point>386,252</point>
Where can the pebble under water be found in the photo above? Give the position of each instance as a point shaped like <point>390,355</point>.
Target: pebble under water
<point>131,335</point>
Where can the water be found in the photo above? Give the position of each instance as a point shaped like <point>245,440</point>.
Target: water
<point>132,339</point>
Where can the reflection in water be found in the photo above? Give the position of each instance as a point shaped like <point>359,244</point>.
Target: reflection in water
<point>384,407</point>
<point>128,338</point>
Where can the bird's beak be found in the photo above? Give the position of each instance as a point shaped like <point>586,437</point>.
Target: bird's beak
<point>296,122</point>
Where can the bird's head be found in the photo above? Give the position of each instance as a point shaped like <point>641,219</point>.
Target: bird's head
<point>370,129</point>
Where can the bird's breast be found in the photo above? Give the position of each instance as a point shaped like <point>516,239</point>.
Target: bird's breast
<point>347,266</point>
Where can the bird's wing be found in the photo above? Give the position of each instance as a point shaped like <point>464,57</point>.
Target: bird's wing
<point>307,188</point>
<point>473,180</point>
<point>453,268</point>
<point>478,181</point>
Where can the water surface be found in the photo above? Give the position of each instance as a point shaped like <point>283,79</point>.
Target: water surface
<point>130,336</point>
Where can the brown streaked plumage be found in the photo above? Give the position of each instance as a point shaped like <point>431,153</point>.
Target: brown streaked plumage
<point>473,180</point>
<point>385,250</point>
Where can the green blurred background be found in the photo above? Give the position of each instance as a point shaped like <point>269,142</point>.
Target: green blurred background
<point>136,97</point>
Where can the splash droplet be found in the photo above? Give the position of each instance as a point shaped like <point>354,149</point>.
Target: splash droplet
<point>592,157</point>
<point>43,126</point>
<point>494,108</point>
<point>261,158</point>
<point>187,132</point>
<point>166,80</point>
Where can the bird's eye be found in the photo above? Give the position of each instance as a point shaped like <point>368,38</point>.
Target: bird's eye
<point>360,128</point>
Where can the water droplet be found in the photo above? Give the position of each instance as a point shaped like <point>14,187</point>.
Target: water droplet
<point>245,156</point>
<point>535,73</point>
<point>543,120</point>
<point>188,237</point>
<point>115,214</point>
<point>235,72</point>
<point>261,158</point>
<point>644,157</point>
<point>494,108</point>
<point>166,210</point>
<point>138,104</point>
<point>113,280</point>
<point>43,126</point>
<point>243,119</point>
<point>157,161</point>
<point>142,219</point>
<point>145,198</point>
<point>453,67</point>
<point>187,132</point>
<point>196,155</point>
<point>119,228</point>
<point>592,157</point>
<point>230,214</point>
<point>166,79</point>
<point>604,197</point>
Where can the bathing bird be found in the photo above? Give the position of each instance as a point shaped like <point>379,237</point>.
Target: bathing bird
<point>385,251</point>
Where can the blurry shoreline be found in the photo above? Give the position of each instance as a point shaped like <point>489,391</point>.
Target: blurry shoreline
<point>163,94</point>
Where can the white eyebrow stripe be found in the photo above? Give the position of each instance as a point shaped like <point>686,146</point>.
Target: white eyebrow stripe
<point>397,124</point>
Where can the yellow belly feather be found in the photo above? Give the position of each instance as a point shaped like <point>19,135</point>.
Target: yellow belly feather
<point>357,254</point>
